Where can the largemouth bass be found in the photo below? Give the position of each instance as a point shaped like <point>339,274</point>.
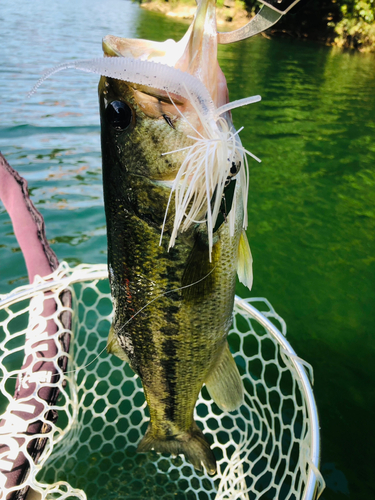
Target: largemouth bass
<point>175,192</point>
<point>173,296</point>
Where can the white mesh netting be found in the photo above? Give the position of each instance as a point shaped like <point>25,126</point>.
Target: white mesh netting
<point>268,449</point>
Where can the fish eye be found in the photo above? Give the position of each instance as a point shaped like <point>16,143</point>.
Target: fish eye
<point>119,115</point>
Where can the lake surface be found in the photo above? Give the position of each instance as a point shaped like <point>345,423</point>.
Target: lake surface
<point>311,202</point>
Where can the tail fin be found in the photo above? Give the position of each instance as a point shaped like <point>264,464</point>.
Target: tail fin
<point>192,444</point>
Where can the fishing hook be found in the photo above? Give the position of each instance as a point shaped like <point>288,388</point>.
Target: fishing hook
<point>268,15</point>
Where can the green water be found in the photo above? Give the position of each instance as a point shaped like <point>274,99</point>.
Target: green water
<point>311,203</point>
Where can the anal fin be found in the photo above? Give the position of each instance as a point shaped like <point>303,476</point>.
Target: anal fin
<point>224,383</point>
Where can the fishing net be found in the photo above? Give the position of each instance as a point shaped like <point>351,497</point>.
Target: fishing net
<point>268,449</point>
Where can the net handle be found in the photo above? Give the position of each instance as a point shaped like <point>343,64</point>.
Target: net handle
<point>29,229</point>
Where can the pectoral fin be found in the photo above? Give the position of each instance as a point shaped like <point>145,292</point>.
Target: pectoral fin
<point>224,383</point>
<point>113,346</point>
<point>245,262</point>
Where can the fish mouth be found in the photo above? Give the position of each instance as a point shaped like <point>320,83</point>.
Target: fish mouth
<point>154,103</point>
<point>195,53</point>
<point>189,68</point>
<point>143,50</point>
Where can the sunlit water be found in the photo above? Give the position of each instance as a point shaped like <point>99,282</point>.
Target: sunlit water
<point>311,206</point>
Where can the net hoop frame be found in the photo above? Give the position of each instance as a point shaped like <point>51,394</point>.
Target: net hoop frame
<point>313,486</point>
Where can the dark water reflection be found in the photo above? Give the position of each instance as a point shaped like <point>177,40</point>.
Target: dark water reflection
<point>311,206</point>
<point>311,215</point>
